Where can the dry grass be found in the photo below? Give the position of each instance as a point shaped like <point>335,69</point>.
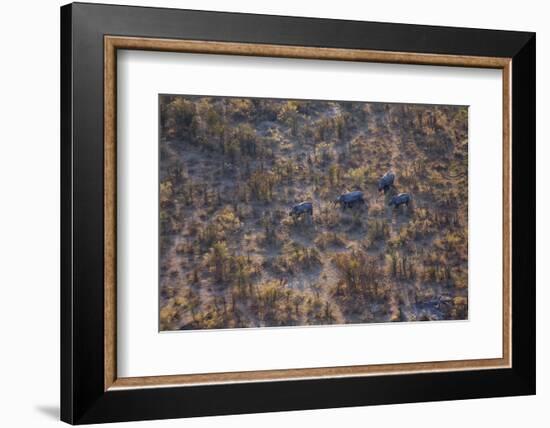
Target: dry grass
<point>231,256</point>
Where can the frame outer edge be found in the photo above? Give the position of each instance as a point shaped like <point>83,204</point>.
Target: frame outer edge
<point>524,215</point>
<point>82,394</point>
<point>66,147</point>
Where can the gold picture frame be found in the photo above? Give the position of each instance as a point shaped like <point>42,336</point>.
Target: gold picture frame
<point>114,43</point>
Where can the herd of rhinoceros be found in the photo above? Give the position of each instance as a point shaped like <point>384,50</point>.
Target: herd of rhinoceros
<point>355,198</point>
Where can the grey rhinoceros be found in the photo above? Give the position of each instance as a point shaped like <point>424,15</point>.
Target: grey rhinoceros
<point>350,199</point>
<point>301,208</point>
<point>402,198</point>
<point>386,181</point>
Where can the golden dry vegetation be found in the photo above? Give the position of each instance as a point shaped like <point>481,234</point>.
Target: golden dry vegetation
<point>231,169</point>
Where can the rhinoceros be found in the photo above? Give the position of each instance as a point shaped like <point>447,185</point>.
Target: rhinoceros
<point>350,199</point>
<point>301,208</point>
<point>402,198</point>
<point>386,181</point>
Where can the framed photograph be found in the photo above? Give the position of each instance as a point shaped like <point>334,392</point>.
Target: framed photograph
<point>266,213</point>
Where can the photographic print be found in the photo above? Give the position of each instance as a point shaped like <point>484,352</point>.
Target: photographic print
<point>288,212</point>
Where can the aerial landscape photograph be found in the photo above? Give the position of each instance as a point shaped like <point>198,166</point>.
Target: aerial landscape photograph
<point>289,212</point>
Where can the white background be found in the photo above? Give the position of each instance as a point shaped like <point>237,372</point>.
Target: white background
<point>142,351</point>
<point>29,219</point>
